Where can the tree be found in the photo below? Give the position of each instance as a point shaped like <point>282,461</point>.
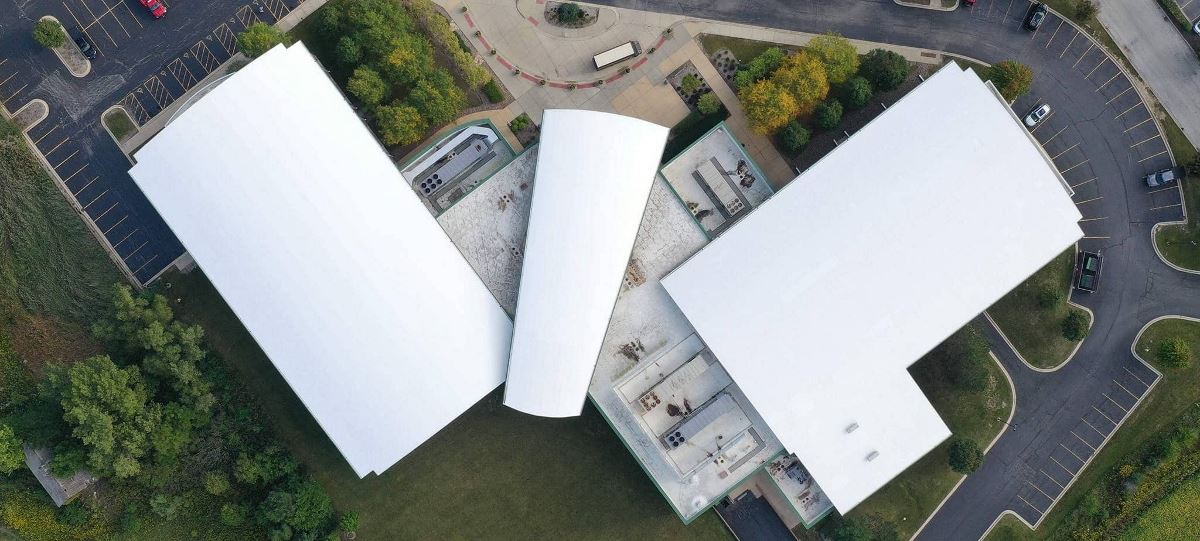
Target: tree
<point>850,529</point>
<point>110,411</point>
<point>12,458</point>
<point>400,124</point>
<point>437,98</point>
<point>768,106</point>
<point>1174,353</point>
<point>837,54</point>
<point>264,468</point>
<point>1013,79</point>
<point>259,38</point>
<point>49,33</point>
<point>68,460</point>
<point>856,93</point>
<point>690,84</point>
<point>233,514</point>
<point>708,103</point>
<point>569,12</point>
<point>884,69</point>
<point>1049,296</point>
<point>803,76</point>
<point>367,85</point>
<point>216,483</point>
<point>166,506</point>
<point>760,67</point>
<point>1086,10</point>
<point>965,455</point>
<point>409,59</point>
<point>794,136</point>
<point>828,114</point>
<point>1075,325</point>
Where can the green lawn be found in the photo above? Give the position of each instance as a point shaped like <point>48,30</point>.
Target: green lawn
<point>744,49</point>
<point>493,473</point>
<point>909,498</point>
<point>1036,332</point>
<point>1009,529</point>
<point>1172,518</point>
<point>119,124</point>
<point>1180,244</point>
<point>1170,398</point>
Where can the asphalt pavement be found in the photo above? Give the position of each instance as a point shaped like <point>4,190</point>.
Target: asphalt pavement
<point>143,64</point>
<point>1103,140</point>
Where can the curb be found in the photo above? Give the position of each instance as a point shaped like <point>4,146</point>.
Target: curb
<point>117,141</point>
<point>930,7</point>
<point>38,120</point>
<point>69,44</point>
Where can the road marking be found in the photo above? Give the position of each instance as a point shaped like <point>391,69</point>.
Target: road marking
<point>14,94</point>
<point>81,27</point>
<point>1110,419</point>
<point>139,269</point>
<point>1135,376</point>
<point>1064,128</point>
<point>1081,461</point>
<point>1110,79</point>
<point>1029,504</point>
<point>135,230</point>
<point>1043,123</point>
<point>1166,206</point>
<point>75,173</point>
<point>1068,47</point>
<point>1152,156</point>
<point>1052,480</point>
<point>1123,388</point>
<point>85,207</point>
<point>1110,399</point>
<point>1073,186</point>
<point>1009,8</point>
<point>119,23</point>
<point>1148,119</point>
<point>1094,219</point>
<point>1089,49</point>
<point>1097,238</point>
<point>1181,8</point>
<point>3,61</point>
<point>1147,193</point>
<point>85,186</point>
<point>51,151</point>
<point>136,250</point>
<point>39,139</point>
<point>1146,140</point>
<point>96,20</point>
<point>106,211</point>
<point>1102,61</point>
<point>1064,171</point>
<point>132,16</point>
<point>1131,107</point>
<point>114,226</point>
<point>1060,464</point>
<point>1080,438</point>
<point>6,79</point>
<point>1072,147</point>
<point>1102,435</point>
<point>1035,487</point>
<point>1110,100</point>
<point>72,155</point>
<point>1051,40</point>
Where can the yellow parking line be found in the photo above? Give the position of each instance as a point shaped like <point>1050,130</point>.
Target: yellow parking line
<point>83,28</point>
<point>96,20</point>
<point>1152,157</point>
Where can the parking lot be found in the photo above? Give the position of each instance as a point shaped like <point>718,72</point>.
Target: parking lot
<point>1191,8</point>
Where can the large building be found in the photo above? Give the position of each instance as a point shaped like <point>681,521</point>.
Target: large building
<point>730,336</point>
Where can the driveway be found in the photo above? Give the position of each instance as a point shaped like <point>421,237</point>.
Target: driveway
<point>1161,56</point>
<point>1102,138</point>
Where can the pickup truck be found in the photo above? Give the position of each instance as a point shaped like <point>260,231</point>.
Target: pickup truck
<point>1087,271</point>
<point>1164,177</point>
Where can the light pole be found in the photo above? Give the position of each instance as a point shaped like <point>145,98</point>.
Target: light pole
<point>1012,426</point>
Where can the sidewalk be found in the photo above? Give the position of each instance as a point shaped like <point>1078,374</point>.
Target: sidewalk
<point>524,40</point>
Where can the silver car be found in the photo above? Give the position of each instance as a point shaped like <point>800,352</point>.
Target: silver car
<point>1037,115</point>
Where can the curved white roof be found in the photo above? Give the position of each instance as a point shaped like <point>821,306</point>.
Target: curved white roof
<point>593,178</point>
<point>818,301</point>
<point>318,245</point>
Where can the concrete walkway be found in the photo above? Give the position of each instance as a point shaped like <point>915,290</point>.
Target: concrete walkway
<point>1161,57</point>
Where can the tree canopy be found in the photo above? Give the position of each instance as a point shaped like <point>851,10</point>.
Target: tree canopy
<point>760,67</point>
<point>12,458</point>
<point>368,86</point>
<point>1013,79</point>
<point>856,92</point>
<point>884,69</point>
<point>803,76</point>
<point>259,38</point>
<point>708,103</point>
<point>49,34</point>
<point>828,114</point>
<point>768,106</point>
<point>837,54</point>
<point>437,98</point>
<point>1174,353</point>
<point>400,124</point>
<point>795,136</point>
<point>965,456</point>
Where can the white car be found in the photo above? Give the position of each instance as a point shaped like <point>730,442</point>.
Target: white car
<point>1196,27</point>
<point>1037,115</point>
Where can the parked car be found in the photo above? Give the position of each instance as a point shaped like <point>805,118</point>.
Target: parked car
<point>1035,17</point>
<point>1037,115</point>
<point>86,47</point>
<point>1087,272</point>
<point>1164,177</point>
<point>156,8</point>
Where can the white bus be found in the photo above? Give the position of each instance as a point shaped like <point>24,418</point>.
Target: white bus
<point>620,53</point>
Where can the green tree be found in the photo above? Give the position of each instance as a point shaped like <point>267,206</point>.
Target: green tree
<point>1086,10</point>
<point>49,33</point>
<point>849,529</point>
<point>12,458</point>
<point>262,469</point>
<point>109,410</point>
<point>794,136</point>
<point>1174,353</point>
<point>803,76</point>
<point>884,69</point>
<point>690,84</point>
<point>409,59</point>
<point>760,67</point>
<point>314,509</point>
<point>965,455</point>
<point>708,103</point>
<point>400,124</point>
<point>1075,325</point>
<point>233,514</point>
<point>368,86</point>
<point>166,507</point>
<point>856,93</point>
<point>259,38</point>
<point>1013,79</point>
<point>569,12</point>
<point>768,106</point>
<point>437,98</point>
<point>837,54</point>
<point>349,51</point>
<point>216,483</point>
<point>828,114</point>
<point>68,460</point>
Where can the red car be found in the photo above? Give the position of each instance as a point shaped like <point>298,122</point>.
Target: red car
<point>156,8</point>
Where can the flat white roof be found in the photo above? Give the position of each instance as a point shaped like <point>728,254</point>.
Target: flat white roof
<point>818,301</point>
<point>594,172</point>
<point>309,232</point>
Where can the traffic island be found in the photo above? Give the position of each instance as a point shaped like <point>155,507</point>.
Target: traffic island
<point>937,5</point>
<point>69,52</point>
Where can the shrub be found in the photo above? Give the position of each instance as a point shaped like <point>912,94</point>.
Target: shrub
<point>1012,79</point>
<point>259,38</point>
<point>794,136</point>
<point>519,123</point>
<point>493,92</point>
<point>828,114</point>
<point>349,522</point>
<point>856,93</point>
<point>884,69</point>
<point>1075,326</point>
<point>837,54</point>
<point>965,456</point>
<point>1049,297</point>
<point>690,84</point>
<point>708,103</point>
<point>1174,353</point>
<point>368,86</point>
<point>49,34</point>
<point>1086,10</point>
<point>760,67</point>
<point>12,458</point>
<point>569,12</point>
<point>73,514</point>
<point>849,529</point>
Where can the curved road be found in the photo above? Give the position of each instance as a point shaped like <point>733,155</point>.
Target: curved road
<point>1102,139</point>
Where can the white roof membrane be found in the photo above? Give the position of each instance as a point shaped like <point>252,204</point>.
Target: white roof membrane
<point>312,237</point>
<point>818,301</point>
<point>593,178</point>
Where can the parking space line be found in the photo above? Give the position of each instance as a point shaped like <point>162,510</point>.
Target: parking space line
<point>114,226</point>
<point>1101,412</point>
<point>1047,141</point>
<point>139,269</point>
<point>1123,388</point>
<point>1008,9</point>
<point>1131,107</point>
<point>1069,43</point>
<point>1135,376</point>
<point>1166,206</point>
<point>133,105</point>
<point>119,23</point>
<point>1110,100</point>
<point>1064,171</point>
<point>83,29</point>
<point>135,250</point>
<point>207,60</point>
<point>1093,219</point>
<point>96,20</point>
<point>6,79</point>
<point>1089,49</point>
<point>1152,157</point>
<point>75,173</point>
<point>1096,238</point>
<point>1029,504</point>
<point>1148,119</point>
<point>39,139</point>
<point>51,151</point>
<point>3,61</point>
<point>1110,79</point>
<point>1051,40</point>
<point>1060,464</point>
<point>1072,147</point>
<point>277,8</point>
<point>72,155</point>
<point>1102,61</point>
<point>125,238</point>
<point>158,92</point>
<point>1052,480</point>
<point>225,38</point>
<point>1080,438</point>
<point>179,68</point>
<point>1073,186</point>
<point>14,94</point>
<point>1081,461</point>
<point>1102,434</point>
<point>246,16</point>
<point>1043,123</point>
<point>1146,140</point>
<point>132,16</point>
<point>1172,188</point>
<point>106,211</point>
<point>85,207</point>
<point>1110,399</point>
<point>85,186</point>
<point>1035,487</point>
